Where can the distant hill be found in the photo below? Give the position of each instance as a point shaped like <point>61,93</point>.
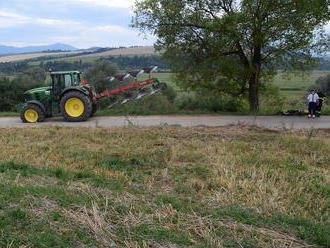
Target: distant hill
<point>32,49</point>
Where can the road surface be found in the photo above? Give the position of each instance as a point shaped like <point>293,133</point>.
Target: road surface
<point>272,122</point>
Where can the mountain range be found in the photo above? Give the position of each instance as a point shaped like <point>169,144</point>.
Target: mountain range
<point>32,49</point>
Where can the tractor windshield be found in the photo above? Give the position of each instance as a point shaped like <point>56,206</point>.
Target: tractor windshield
<point>62,81</point>
<point>71,80</point>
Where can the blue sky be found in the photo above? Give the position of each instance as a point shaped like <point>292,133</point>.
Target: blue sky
<point>81,23</point>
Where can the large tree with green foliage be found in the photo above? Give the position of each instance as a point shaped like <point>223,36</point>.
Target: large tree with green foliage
<point>230,46</point>
<point>98,72</point>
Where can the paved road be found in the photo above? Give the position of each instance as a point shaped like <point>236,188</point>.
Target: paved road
<point>273,122</point>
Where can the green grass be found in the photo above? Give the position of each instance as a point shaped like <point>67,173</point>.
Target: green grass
<point>294,89</point>
<point>8,114</point>
<point>165,186</point>
<point>297,81</point>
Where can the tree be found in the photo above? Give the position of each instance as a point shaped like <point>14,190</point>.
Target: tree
<point>322,84</point>
<point>34,76</point>
<point>232,46</point>
<point>97,73</point>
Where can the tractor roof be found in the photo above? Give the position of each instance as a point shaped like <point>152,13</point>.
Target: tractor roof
<point>64,72</point>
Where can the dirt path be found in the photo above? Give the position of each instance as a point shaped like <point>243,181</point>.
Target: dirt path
<point>273,122</point>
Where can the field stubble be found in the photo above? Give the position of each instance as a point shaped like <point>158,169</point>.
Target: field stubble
<point>165,187</point>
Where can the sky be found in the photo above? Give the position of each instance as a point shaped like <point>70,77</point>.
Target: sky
<point>80,23</point>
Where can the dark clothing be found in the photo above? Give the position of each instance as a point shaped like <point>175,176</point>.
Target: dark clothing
<point>312,108</point>
<point>319,105</point>
<point>320,101</point>
<point>321,94</point>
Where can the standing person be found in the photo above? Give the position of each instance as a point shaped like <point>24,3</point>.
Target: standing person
<point>312,98</point>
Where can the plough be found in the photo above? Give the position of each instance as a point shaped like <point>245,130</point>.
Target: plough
<point>77,100</point>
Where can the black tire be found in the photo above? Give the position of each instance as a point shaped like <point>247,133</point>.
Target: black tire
<point>94,108</point>
<point>87,106</point>
<point>35,107</point>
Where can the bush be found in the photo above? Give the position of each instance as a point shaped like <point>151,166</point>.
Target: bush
<point>209,102</point>
<point>170,93</point>
<point>155,104</point>
<point>11,93</point>
<point>322,84</point>
<point>101,70</point>
<point>271,101</point>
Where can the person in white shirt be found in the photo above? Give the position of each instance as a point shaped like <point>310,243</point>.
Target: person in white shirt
<point>312,98</point>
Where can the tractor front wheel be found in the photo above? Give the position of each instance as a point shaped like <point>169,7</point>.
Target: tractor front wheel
<point>32,113</point>
<point>76,106</point>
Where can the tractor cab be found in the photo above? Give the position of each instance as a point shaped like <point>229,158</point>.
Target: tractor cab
<point>62,80</point>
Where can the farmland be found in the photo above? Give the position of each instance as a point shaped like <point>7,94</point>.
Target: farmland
<point>20,57</point>
<point>147,50</point>
<point>164,187</point>
<point>286,91</point>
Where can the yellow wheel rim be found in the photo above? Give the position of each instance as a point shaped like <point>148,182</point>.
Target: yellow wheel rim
<point>74,107</point>
<point>31,115</point>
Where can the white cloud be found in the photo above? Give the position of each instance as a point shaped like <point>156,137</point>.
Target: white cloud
<point>107,3</point>
<point>106,36</point>
<point>114,29</point>
<point>24,27</point>
<point>8,19</point>
<point>8,14</point>
<point>327,27</point>
<point>46,21</point>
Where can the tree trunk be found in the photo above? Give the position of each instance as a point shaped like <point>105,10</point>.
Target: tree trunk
<point>254,81</point>
<point>254,92</point>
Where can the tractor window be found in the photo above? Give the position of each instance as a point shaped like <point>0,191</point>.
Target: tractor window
<point>68,80</point>
<point>75,79</point>
<point>58,84</point>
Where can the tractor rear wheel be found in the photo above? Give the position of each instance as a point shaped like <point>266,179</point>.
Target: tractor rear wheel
<point>32,113</point>
<point>76,106</point>
<point>94,109</point>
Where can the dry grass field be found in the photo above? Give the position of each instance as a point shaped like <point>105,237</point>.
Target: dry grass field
<point>24,56</point>
<point>144,50</point>
<point>164,187</point>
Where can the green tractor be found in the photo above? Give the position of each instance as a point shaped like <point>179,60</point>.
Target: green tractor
<point>76,100</point>
<point>66,96</point>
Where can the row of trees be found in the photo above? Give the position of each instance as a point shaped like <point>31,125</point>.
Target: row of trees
<point>137,62</point>
<point>12,89</point>
<point>235,46</point>
<point>123,62</point>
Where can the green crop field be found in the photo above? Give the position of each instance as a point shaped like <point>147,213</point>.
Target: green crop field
<point>164,187</point>
<point>293,88</point>
<point>297,84</point>
<point>290,84</point>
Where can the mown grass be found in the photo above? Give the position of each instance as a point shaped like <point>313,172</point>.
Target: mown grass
<point>164,187</point>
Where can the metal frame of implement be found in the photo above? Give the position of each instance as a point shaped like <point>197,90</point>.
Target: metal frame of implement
<point>135,85</point>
